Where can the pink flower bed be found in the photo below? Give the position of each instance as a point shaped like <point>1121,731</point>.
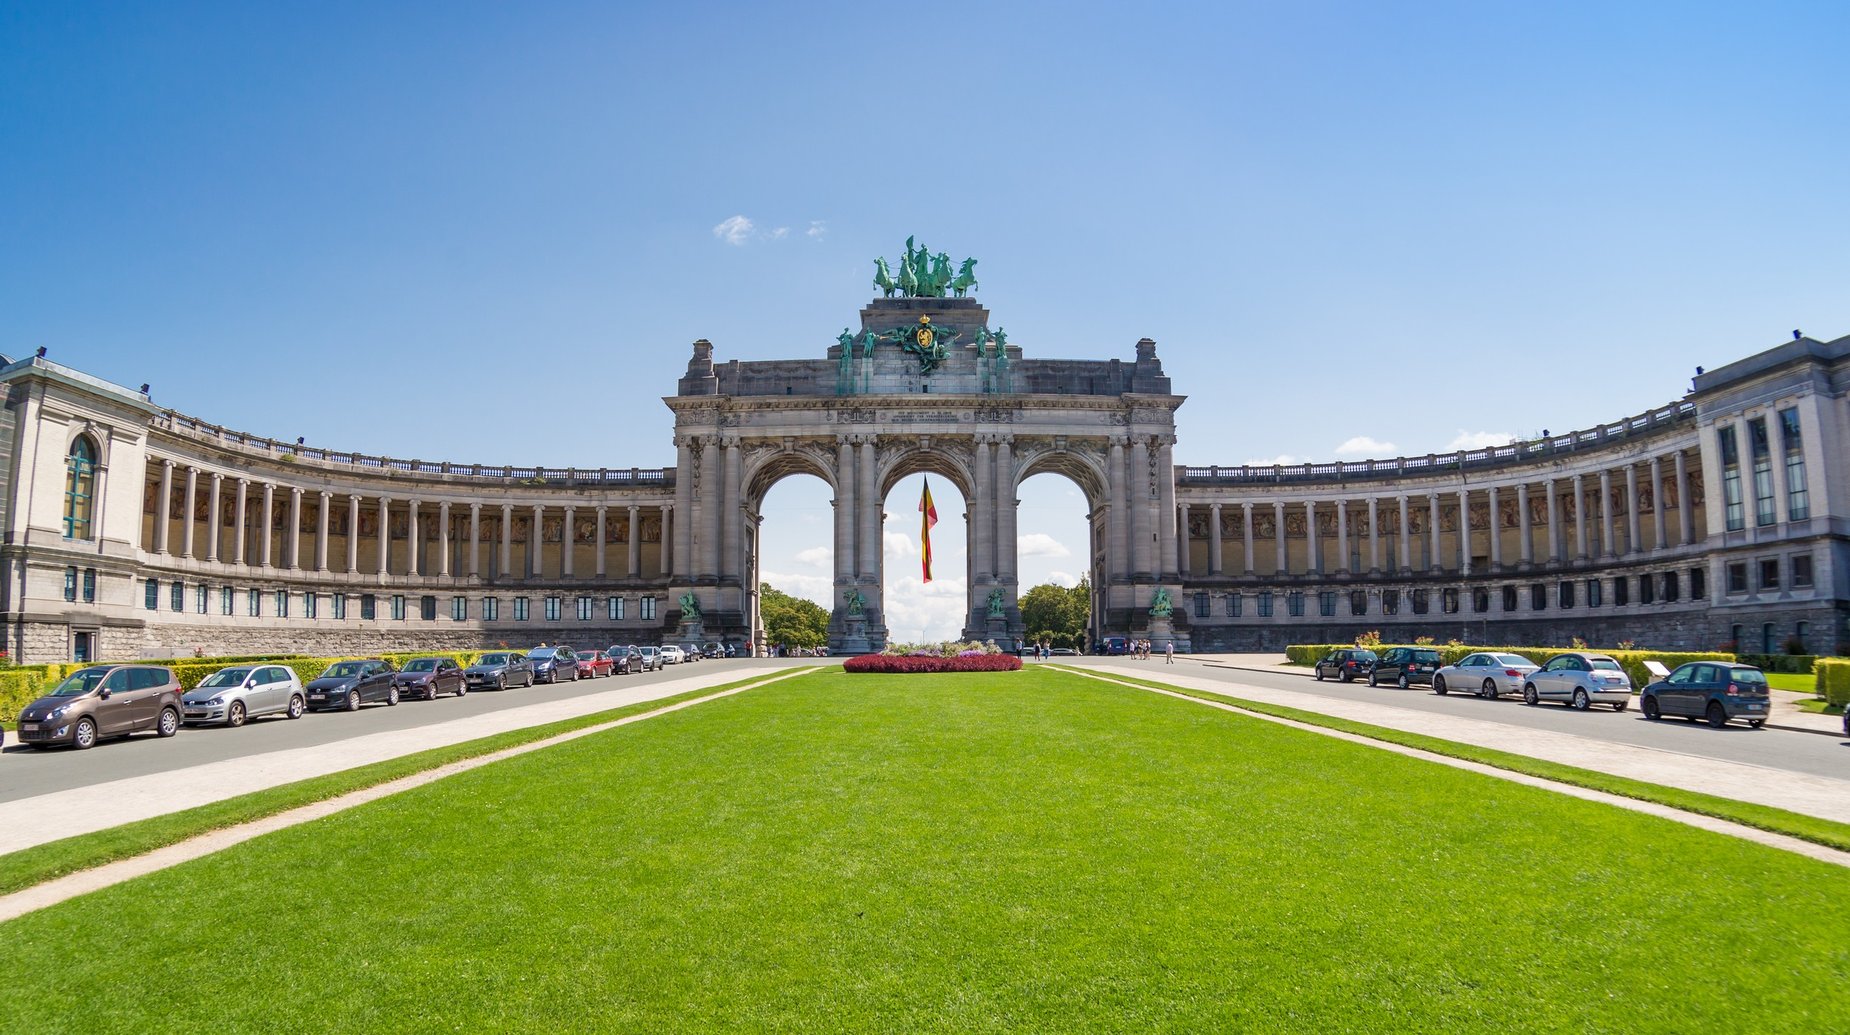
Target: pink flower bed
<point>920,663</point>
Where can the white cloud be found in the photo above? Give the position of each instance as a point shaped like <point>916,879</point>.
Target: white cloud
<point>898,545</point>
<point>1062,578</point>
<point>818,229</point>
<point>734,231</point>
<point>1040,544</point>
<point>816,555</point>
<point>1281,460</point>
<point>1362,446</point>
<point>820,588</point>
<point>780,233</point>
<point>920,611</point>
<point>1479,440</point>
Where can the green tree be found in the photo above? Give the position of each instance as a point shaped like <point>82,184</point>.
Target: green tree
<point>791,621</point>
<point>1057,614</point>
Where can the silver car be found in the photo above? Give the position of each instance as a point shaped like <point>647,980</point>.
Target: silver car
<point>1486,674</point>
<point>1579,681</point>
<point>242,692</point>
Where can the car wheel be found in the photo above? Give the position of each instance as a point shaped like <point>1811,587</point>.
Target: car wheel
<point>1402,682</point>
<point>1621,706</point>
<point>391,697</point>
<point>1717,716</point>
<point>1438,685</point>
<point>1529,696</point>
<point>296,706</point>
<point>84,737</point>
<point>500,682</point>
<point>1754,724</point>
<point>1490,690</point>
<point>353,700</point>
<point>462,690</point>
<point>234,715</point>
<point>1319,672</point>
<point>1649,707</point>
<point>1581,701</point>
<point>1371,680</point>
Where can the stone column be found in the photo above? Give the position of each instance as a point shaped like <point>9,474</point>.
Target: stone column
<point>1007,573</point>
<point>165,507</point>
<point>598,553</point>
<point>1631,508</point>
<point>1405,537</point>
<point>213,508</point>
<point>1686,518</point>
<point>1658,528</point>
<point>666,560</point>
<point>1608,526</point>
<point>682,552</point>
<point>414,541</point>
<point>1554,522</point>
<point>385,533</point>
<point>1142,536</point>
<point>1311,565</point>
<point>1432,508</point>
<point>1374,535</point>
<point>1214,547</point>
<point>1180,517</point>
<point>506,569</point>
<point>1580,520</point>
<point>568,543</point>
<point>353,533</point>
<point>869,501</point>
<point>1776,457</point>
<point>1119,530</point>
<point>845,514</point>
<point>1464,531</point>
<point>982,525</point>
<point>292,547</point>
<point>269,520</point>
<point>321,530</point>
<point>732,525</point>
<point>1496,533</point>
<point>443,538</point>
<point>475,540</point>
<point>242,533</point>
<point>1166,532</point>
<point>1278,534</point>
<point>536,544</point>
<point>1525,548</point>
<point>634,543</point>
<point>712,505</point>
<point>1342,536</point>
<point>1246,538</point>
<point>186,524</point>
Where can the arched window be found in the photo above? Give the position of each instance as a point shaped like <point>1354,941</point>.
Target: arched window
<point>79,488</point>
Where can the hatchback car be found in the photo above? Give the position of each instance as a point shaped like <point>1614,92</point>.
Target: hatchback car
<point>242,692</point>
<point>427,677</point>
<point>499,669</point>
<point>349,684</point>
<point>1486,674</point>
<point>594,663</point>
<point>1579,681</point>
<point>1404,666</point>
<point>103,701</point>
<point>1345,664</point>
<point>551,664</point>
<point>622,659</point>
<point>651,658</point>
<point>1710,690</point>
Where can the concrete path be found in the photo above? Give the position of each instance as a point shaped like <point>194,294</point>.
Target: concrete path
<point>50,817</point>
<point>1812,795</point>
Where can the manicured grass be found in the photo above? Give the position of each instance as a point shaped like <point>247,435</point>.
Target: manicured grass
<point>54,859</point>
<point>964,853</point>
<point>1797,682</point>
<point>1818,706</point>
<point>1762,817</point>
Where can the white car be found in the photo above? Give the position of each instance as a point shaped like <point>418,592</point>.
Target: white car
<point>672,655</point>
<point>1485,674</point>
<point>243,692</point>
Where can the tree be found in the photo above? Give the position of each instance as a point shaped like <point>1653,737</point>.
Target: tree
<point>792,621</point>
<point>1057,614</point>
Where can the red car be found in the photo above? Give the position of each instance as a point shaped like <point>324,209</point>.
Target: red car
<point>594,663</point>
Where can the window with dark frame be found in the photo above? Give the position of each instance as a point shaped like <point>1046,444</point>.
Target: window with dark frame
<point>1734,510</point>
<point>1801,571</point>
<point>1390,601</point>
<point>1538,597</point>
<point>1769,573</point>
<point>1798,497</point>
<point>1764,511</point>
<point>1737,577</point>
<point>1564,594</point>
<point>1326,603</point>
<point>1420,601</point>
<point>1265,603</point>
<point>1510,598</point>
<point>1358,602</point>
<point>1622,590</point>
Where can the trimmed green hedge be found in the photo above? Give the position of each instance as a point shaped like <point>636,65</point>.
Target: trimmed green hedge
<point>1834,680</point>
<point>1794,664</point>
<point>1449,654</point>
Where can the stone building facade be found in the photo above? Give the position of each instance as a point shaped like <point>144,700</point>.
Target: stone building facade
<point>130,530</point>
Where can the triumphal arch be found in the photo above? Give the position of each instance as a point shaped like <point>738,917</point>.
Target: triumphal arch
<point>927,383</point>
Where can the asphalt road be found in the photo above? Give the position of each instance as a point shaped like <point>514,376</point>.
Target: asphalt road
<point>26,772</point>
<point>1812,753</point>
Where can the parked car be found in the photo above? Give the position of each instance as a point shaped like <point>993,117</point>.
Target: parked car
<point>103,701</point>
<point>242,692</point>
<point>1579,681</point>
<point>499,669</point>
<point>1485,674</point>
<point>672,655</point>
<point>1114,645</point>
<point>622,659</point>
<point>594,663</point>
<point>714,650</point>
<point>428,677</point>
<point>1404,666</point>
<point>1710,690</point>
<point>349,684</point>
<point>651,658</point>
<point>1064,652</point>
<point>1345,664</point>
<point>551,664</point>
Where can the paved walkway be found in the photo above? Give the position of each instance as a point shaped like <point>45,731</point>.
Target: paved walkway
<point>1821,796</point>
<point>50,817</point>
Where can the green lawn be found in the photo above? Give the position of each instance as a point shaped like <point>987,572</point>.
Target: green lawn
<point>1009,851</point>
<point>1797,682</point>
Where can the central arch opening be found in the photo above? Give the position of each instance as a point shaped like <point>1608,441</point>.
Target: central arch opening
<point>918,611</point>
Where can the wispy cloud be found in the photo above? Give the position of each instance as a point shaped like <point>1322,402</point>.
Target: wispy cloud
<point>780,233</point>
<point>897,544</point>
<point>1479,440</point>
<point>816,555</point>
<point>1281,460</point>
<point>735,231</point>
<point>1062,578</point>
<point>1040,544</point>
<point>818,229</point>
<point>1362,446</point>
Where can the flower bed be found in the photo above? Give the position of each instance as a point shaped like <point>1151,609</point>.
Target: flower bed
<point>930,663</point>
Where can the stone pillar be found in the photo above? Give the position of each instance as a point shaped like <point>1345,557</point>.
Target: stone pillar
<point>1166,533</point>
<point>242,533</point>
<point>1374,535</point>
<point>186,522</point>
<point>536,544</point>
<point>598,553</point>
<point>1278,534</point>
<point>732,525</point>
<point>321,530</point>
<point>1686,518</point>
<point>1311,560</point>
<point>1631,508</point>
<point>982,528</point>
<point>443,538</point>
<point>213,507</point>
<point>414,541</point>
<point>1142,536</point>
<point>665,562</point>
<point>712,505</point>
<point>353,533</point>
<point>1342,536</point>
<point>634,543</point>
<point>506,569</point>
<point>1180,517</point>
<point>269,521</point>
<point>1405,537</point>
<point>1464,532</point>
<point>165,507</point>
<point>1554,521</point>
<point>385,533</point>
<point>1119,530</point>
<point>1246,538</point>
<point>1776,457</point>
<point>682,552</point>
<point>1496,533</point>
<point>845,515</point>
<point>1525,547</point>
<point>292,547</point>
<point>568,543</point>
<point>1658,528</point>
<point>868,499</point>
<point>1214,547</point>
<point>1007,574</point>
<point>1580,520</point>
<point>475,540</point>
<point>1432,509</point>
<point>1608,526</point>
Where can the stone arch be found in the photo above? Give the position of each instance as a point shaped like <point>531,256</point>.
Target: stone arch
<point>1084,468</point>
<point>951,462</point>
<point>765,467</point>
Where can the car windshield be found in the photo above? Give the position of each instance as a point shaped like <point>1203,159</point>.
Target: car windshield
<point>1362,655</point>
<point>80,683</point>
<point>1513,659</point>
<point>1748,676</point>
<point>493,659</point>
<point>226,677</point>
<point>542,653</point>
<point>422,665</point>
<point>1425,655</point>
<point>1604,665</point>
<point>345,670</point>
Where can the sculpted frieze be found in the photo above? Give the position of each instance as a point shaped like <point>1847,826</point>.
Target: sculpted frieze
<point>1695,488</point>
<point>1264,525</point>
<point>1197,525</point>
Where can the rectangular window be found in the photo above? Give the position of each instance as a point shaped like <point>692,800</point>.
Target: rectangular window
<point>1358,601</point>
<point>1510,596</point>
<point>1294,603</point>
<point>1698,583</point>
<point>1448,600</point>
<point>1801,571</point>
<point>1480,600</point>
<point>369,607</point>
<point>1564,594</point>
<point>340,606</point>
<point>176,596</point>
<point>202,599</point>
<point>1737,577</point>
<point>1390,601</point>
<point>613,608</point>
<point>491,609</point>
<point>70,583</point>
<point>1798,499</point>
<point>583,606</point>
<point>1265,603</point>
<point>89,585</point>
<point>427,607</point>
<point>1201,605</point>
<point>1326,603</point>
<point>554,605</point>
<point>1731,479</point>
<point>1538,597</point>
<point>255,603</point>
<point>1670,587</point>
<point>398,607</point>
<point>282,603</point>
<point>1594,587</point>
<point>1769,573</point>
<point>1647,589</point>
<point>1236,604</point>
<point>227,600</point>
<point>648,609</point>
<point>1622,590</point>
<point>1801,633</point>
<point>1763,472</point>
<point>1420,601</point>
<point>310,604</point>
<point>459,609</point>
<point>520,609</point>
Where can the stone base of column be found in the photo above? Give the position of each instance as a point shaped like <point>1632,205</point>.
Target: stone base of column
<point>853,639</point>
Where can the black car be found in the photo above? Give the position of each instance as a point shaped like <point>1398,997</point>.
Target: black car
<point>551,664</point>
<point>428,677</point>
<point>623,660</point>
<point>349,684</point>
<point>1346,664</point>
<point>1404,666</point>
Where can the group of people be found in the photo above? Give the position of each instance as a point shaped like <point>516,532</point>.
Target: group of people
<point>1140,649</point>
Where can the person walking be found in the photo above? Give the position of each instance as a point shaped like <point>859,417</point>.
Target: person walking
<point>1169,652</point>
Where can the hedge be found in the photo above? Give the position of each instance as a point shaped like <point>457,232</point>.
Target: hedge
<point>1834,680</point>
<point>1450,654</point>
<point>909,663</point>
<point>1795,664</point>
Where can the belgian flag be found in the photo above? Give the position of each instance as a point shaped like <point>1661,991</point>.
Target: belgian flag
<point>930,518</point>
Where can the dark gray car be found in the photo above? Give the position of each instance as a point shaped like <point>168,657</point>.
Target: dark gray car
<point>1711,690</point>
<point>349,684</point>
<point>551,664</point>
<point>103,701</point>
<point>499,670</point>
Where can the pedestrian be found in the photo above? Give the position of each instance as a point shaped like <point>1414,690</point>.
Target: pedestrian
<point>1169,652</point>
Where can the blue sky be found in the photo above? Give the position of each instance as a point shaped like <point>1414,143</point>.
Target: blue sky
<point>347,221</point>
